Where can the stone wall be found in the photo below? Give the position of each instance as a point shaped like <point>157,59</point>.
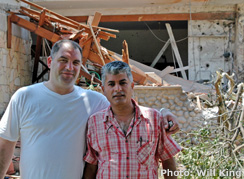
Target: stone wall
<point>173,98</point>
<point>15,63</point>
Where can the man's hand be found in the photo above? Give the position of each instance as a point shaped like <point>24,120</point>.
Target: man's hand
<point>171,124</point>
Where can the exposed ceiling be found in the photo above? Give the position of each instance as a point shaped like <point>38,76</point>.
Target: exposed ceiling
<point>83,4</point>
<point>113,7</point>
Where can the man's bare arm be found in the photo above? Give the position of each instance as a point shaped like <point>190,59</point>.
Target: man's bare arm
<point>171,166</point>
<point>6,153</point>
<point>90,171</point>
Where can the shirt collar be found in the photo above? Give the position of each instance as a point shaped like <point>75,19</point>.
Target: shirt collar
<point>109,114</point>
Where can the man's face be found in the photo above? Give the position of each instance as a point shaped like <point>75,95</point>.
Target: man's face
<point>118,89</point>
<point>65,66</point>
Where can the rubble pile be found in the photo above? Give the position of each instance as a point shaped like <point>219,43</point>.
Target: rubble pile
<point>53,27</point>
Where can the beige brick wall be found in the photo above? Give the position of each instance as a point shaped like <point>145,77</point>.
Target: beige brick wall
<point>15,67</point>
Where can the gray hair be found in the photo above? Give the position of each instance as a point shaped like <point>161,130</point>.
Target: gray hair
<point>59,44</point>
<point>114,68</point>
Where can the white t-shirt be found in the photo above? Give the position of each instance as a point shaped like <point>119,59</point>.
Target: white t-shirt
<point>52,129</point>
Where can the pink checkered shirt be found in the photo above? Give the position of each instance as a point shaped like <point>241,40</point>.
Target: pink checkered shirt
<point>134,155</point>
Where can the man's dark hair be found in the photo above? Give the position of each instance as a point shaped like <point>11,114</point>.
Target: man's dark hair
<point>59,44</point>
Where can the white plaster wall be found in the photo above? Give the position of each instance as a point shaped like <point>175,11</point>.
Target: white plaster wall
<point>239,43</point>
<point>208,41</point>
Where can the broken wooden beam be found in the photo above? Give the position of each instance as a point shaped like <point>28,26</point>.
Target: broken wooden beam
<point>87,47</point>
<point>125,52</point>
<point>138,75</point>
<point>154,78</point>
<point>80,26</point>
<point>103,35</point>
<point>96,43</point>
<point>9,32</point>
<point>35,28</point>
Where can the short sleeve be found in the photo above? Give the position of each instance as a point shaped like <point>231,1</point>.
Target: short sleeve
<point>9,124</point>
<point>167,146</point>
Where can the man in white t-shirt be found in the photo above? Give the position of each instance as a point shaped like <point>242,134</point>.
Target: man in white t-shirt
<point>50,120</point>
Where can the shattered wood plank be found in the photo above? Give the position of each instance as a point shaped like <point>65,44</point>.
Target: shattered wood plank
<point>107,34</point>
<point>166,71</point>
<point>95,58</point>
<point>138,75</point>
<point>79,25</point>
<point>154,78</point>
<point>96,19</point>
<point>106,29</point>
<point>114,56</point>
<point>104,37</point>
<point>48,18</point>
<point>106,55</point>
<point>90,19</point>
<point>125,52</point>
<point>187,85</point>
<point>96,43</point>
<point>87,47</point>
<point>42,17</point>
<point>83,43</point>
<point>35,17</point>
<point>89,38</point>
<point>56,14</point>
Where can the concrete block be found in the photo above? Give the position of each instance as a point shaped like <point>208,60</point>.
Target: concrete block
<point>6,97</point>
<point>3,80</point>
<point>4,60</point>
<point>17,81</point>
<point>11,75</point>
<point>3,22</point>
<point>3,41</point>
<point>1,97</point>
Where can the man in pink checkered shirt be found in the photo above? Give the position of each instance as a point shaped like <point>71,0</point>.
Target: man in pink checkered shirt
<point>126,140</point>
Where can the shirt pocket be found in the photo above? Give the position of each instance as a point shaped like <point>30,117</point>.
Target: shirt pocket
<point>145,149</point>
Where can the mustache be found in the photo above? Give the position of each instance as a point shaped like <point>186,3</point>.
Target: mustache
<point>118,94</point>
<point>68,71</point>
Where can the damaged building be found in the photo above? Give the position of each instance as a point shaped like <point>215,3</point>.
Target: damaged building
<point>208,36</point>
<point>173,47</point>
